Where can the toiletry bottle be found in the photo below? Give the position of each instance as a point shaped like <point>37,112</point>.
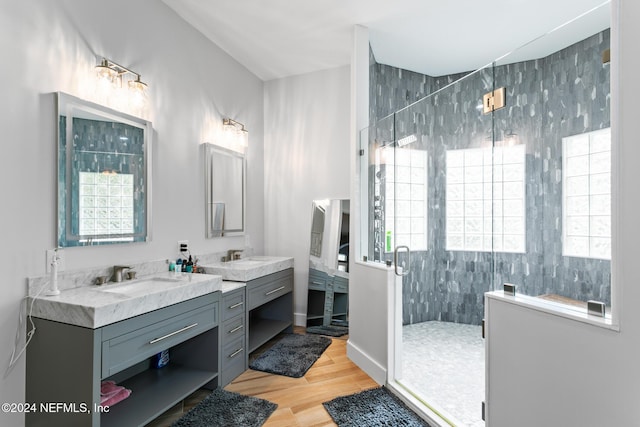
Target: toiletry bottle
<point>189,268</point>
<point>178,266</point>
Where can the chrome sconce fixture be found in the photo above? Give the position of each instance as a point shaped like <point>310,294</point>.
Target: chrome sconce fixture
<point>113,73</point>
<point>235,133</point>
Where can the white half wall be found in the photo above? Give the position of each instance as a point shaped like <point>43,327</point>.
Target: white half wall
<point>307,157</point>
<point>50,46</point>
<point>369,286</point>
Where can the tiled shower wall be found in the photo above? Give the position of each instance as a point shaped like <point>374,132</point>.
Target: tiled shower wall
<point>564,94</point>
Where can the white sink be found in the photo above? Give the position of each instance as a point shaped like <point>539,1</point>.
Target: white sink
<point>246,262</point>
<point>249,268</point>
<point>142,287</point>
<point>254,260</point>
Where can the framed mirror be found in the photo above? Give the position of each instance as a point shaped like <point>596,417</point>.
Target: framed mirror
<point>104,174</point>
<point>225,185</point>
<point>328,288</point>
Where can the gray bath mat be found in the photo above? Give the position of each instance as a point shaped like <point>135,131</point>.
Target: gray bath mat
<point>292,356</point>
<point>369,408</point>
<point>224,408</point>
<point>330,330</point>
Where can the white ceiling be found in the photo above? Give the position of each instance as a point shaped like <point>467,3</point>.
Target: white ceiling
<point>279,38</point>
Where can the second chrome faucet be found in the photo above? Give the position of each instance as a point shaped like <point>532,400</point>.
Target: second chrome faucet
<point>118,272</point>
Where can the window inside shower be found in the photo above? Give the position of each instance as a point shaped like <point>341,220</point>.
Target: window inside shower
<point>485,195</point>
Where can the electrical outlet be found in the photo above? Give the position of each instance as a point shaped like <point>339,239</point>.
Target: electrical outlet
<point>186,246</point>
<point>50,254</point>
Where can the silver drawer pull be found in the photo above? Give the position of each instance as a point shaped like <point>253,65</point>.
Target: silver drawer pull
<point>231,307</point>
<point>173,333</point>
<point>274,291</point>
<point>316,283</point>
<point>236,329</point>
<point>235,353</point>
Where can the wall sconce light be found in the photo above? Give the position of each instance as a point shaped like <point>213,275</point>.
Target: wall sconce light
<point>235,133</point>
<point>114,73</point>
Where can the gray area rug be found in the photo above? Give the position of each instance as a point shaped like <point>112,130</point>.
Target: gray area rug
<point>330,330</point>
<point>225,408</point>
<point>369,408</point>
<point>292,356</point>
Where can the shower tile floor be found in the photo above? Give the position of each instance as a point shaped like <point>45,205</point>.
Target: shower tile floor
<point>443,363</point>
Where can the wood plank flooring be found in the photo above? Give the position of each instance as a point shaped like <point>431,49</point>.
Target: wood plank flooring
<point>299,400</point>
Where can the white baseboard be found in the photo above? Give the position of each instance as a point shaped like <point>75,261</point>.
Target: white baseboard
<point>366,363</point>
<point>300,319</point>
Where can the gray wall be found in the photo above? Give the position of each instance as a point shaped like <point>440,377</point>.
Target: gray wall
<point>547,99</point>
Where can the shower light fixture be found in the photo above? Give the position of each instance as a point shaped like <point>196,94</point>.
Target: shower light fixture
<point>114,73</point>
<point>407,140</point>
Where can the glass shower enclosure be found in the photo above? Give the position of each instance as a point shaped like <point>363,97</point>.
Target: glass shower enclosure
<point>464,196</point>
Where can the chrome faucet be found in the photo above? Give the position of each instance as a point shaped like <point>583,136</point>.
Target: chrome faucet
<point>233,254</point>
<point>117,272</point>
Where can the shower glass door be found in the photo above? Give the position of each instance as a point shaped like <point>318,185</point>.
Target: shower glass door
<point>443,211</point>
<point>430,173</point>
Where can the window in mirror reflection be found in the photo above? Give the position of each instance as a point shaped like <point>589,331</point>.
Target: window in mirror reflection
<point>106,203</point>
<point>102,179</point>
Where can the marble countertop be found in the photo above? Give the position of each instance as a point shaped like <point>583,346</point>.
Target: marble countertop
<point>228,286</point>
<point>329,271</point>
<point>249,268</point>
<point>97,306</point>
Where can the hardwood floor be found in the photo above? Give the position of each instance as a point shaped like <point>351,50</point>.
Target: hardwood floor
<point>299,400</point>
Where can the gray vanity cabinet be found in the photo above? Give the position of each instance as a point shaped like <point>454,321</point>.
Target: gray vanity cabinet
<point>340,306</point>
<point>269,307</point>
<point>327,298</point>
<point>233,336</point>
<point>66,365</point>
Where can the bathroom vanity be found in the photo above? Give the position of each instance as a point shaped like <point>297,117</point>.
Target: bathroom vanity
<point>264,294</point>
<point>89,334</point>
<point>70,355</point>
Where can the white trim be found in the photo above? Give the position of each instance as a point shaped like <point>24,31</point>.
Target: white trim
<point>556,309</point>
<point>372,368</point>
<point>300,319</point>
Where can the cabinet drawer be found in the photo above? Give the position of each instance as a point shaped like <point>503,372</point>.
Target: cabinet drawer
<point>317,284</point>
<point>233,362</point>
<point>232,352</point>
<point>232,329</point>
<point>258,295</point>
<point>233,304</point>
<point>125,350</point>
<point>340,284</point>
<point>317,280</point>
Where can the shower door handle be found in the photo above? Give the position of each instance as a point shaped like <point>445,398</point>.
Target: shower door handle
<point>395,259</point>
